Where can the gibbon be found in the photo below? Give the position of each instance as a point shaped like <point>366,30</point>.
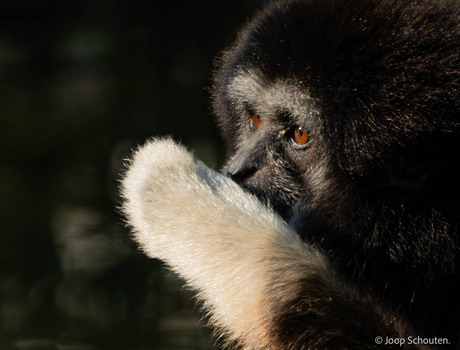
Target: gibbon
<point>334,224</point>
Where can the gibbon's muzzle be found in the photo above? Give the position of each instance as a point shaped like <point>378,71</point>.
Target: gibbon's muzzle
<point>246,162</point>
<point>241,167</point>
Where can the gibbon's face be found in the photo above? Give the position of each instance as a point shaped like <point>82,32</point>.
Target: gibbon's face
<point>278,141</point>
<point>336,110</point>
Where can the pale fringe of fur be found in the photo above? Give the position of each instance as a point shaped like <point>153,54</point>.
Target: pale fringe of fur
<point>227,246</point>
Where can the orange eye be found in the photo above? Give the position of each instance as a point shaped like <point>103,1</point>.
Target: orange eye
<point>300,136</point>
<point>256,121</point>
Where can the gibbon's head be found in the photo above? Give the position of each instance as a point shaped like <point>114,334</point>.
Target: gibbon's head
<point>342,108</point>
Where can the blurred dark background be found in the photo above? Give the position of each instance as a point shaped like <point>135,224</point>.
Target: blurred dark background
<point>81,84</point>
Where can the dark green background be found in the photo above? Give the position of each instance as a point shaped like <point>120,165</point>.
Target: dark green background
<point>82,83</point>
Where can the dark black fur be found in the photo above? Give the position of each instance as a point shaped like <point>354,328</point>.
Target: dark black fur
<point>384,76</point>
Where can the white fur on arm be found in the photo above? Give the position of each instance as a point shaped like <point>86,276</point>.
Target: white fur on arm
<point>222,241</point>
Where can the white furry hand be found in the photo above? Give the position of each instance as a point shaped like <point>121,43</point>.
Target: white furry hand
<point>172,198</point>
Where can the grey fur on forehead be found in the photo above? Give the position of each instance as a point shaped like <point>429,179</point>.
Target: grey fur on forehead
<point>268,98</point>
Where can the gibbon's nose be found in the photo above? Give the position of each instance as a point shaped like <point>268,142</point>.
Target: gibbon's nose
<point>241,167</point>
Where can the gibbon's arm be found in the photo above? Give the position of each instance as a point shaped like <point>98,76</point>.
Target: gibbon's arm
<point>261,285</point>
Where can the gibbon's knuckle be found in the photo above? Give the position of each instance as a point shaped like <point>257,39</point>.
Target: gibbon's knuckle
<point>163,156</point>
<point>157,167</point>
